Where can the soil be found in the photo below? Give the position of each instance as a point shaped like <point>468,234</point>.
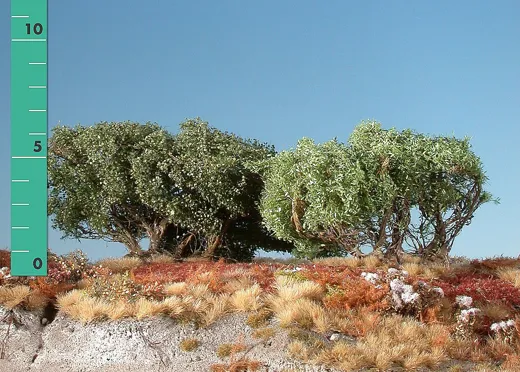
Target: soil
<point>151,345</point>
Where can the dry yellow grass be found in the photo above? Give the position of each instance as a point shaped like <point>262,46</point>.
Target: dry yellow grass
<point>189,344</point>
<point>290,289</point>
<point>396,340</point>
<point>11,297</point>
<point>264,333</point>
<point>145,308</point>
<point>407,258</point>
<point>511,275</point>
<point>302,312</point>
<point>36,301</point>
<point>351,262</point>
<point>175,289</point>
<point>161,258</point>
<point>218,307</point>
<point>371,262</point>
<point>259,318</point>
<point>248,299</point>
<point>173,306</point>
<point>119,265</point>
<point>496,311</point>
<point>120,309</point>
<point>237,284</point>
<point>298,350</point>
<point>198,291</point>
<point>413,268</point>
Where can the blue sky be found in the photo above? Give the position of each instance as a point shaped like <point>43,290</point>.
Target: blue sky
<point>281,70</point>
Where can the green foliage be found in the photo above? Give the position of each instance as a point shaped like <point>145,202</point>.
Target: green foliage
<point>125,181</point>
<point>93,192</point>
<point>341,197</point>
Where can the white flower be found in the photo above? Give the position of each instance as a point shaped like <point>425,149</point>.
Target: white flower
<point>410,297</point>
<point>397,300</point>
<point>438,290</point>
<point>392,271</point>
<point>465,301</point>
<point>404,273</point>
<point>370,277</point>
<point>502,326</point>
<point>396,285</point>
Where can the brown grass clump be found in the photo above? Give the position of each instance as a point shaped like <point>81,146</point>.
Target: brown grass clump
<point>226,350</point>
<point>413,268</point>
<point>289,289</point>
<point>351,262</point>
<point>119,265</point>
<point>11,297</point>
<point>259,318</point>
<point>264,333</point>
<point>236,284</point>
<point>161,258</point>
<point>218,307</point>
<point>496,311</point>
<point>396,341</point>
<point>175,289</point>
<point>247,299</point>
<point>241,365</point>
<point>512,275</point>
<point>371,262</point>
<point>300,351</point>
<point>433,271</point>
<point>79,305</point>
<point>145,308</point>
<point>302,312</point>
<point>189,344</point>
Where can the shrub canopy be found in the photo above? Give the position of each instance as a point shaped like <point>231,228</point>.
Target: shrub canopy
<point>384,191</point>
<point>187,192</point>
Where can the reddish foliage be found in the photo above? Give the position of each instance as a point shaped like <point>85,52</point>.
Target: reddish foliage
<point>495,263</point>
<point>480,287</point>
<point>48,288</point>
<point>263,275</point>
<point>5,258</point>
<point>188,272</point>
<point>358,293</point>
<point>332,275</point>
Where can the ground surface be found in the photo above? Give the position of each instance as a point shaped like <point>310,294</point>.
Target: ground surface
<point>146,345</point>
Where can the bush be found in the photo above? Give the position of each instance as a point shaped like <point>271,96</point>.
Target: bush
<point>335,199</point>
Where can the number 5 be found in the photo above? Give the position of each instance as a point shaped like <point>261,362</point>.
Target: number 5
<point>37,146</point>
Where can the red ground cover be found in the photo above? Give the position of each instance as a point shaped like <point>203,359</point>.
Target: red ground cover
<point>480,287</point>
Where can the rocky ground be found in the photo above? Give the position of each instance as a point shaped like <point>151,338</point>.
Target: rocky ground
<point>134,345</point>
<point>130,345</point>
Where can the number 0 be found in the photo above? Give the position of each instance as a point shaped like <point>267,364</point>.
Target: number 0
<point>37,263</point>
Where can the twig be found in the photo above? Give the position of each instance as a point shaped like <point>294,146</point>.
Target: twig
<point>10,317</point>
<point>153,345</point>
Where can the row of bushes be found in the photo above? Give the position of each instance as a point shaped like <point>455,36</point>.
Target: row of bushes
<point>203,191</point>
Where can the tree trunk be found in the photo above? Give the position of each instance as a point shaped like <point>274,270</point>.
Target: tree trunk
<point>215,241</point>
<point>131,243</point>
<point>181,248</point>
<point>155,234</point>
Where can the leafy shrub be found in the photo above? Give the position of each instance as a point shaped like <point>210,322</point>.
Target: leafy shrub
<point>69,267</point>
<point>118,286</point>
<point>331,199</point>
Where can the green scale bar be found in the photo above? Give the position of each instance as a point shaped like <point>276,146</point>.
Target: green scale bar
<point>29,137</point>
